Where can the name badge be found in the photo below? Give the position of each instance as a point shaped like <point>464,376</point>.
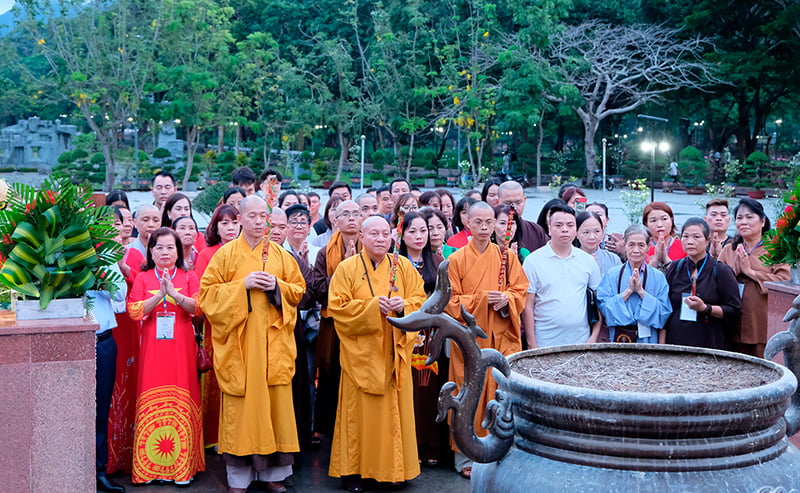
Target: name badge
<point>165,325</point>
<point>687,314</point>
<point>644,331</point>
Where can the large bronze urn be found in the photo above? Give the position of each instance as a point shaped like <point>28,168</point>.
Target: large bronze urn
<point>621,417</point>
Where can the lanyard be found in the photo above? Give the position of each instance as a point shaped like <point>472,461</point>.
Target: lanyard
<point>752,249</point>
<point>164,300</point>
<point>694,280</point>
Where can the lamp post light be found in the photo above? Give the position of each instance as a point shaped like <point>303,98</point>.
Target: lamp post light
<point>651,146</point>
<point>603,185</point>
<point>363,140</point>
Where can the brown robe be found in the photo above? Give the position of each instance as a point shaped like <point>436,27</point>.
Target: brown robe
<point>473,275</point>
<point>750,336</point>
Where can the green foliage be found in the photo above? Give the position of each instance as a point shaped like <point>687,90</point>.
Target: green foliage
<point>693,166</point>
<point>635,198</point>
<point>754,170</point>
<point>55,243</point>
<point>206,201</point>
<point>161,153</point>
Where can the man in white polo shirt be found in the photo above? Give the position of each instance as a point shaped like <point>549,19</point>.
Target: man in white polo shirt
<point>555,311</point>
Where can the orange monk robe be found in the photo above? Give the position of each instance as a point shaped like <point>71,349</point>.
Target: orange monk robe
<point>254,349</point>
<point>375,434</point>
<point>472,276</point>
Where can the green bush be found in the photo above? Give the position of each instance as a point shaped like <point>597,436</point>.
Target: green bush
<point>206,201</point>
<point>381,158</point>
<point>329,154</point>
<point>98,158</point>
<point>226,157</point>
<point>161,153</point>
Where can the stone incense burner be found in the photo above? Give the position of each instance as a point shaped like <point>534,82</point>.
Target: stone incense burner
<point>621,417</point>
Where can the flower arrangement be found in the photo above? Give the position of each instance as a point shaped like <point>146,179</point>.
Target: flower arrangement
<point>782,243</point>
<point>54,243</point>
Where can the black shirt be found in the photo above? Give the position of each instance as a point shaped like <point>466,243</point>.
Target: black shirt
<point>716,285</point>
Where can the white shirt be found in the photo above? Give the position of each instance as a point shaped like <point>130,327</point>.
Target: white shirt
<point>559,285</point>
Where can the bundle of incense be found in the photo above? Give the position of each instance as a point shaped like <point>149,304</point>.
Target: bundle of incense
<point>396,257</point>
<point>270,197</point>
<point>501,279</point>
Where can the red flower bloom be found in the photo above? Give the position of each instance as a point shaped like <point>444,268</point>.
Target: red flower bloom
<point>50,196</point>
<point>7,239</point>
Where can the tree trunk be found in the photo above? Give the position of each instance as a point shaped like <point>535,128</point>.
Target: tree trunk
<point>410,157</point>
<point>192,134</point>
<point>443,146</point>
<point>106,145</point>
<point>343,151</point>
<point>590,125</point>
<point>220,139</point>
<point>265,150</point>
<point>539,140</point>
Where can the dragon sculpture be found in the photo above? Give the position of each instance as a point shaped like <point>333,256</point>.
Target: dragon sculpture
<point>788,342</point>
<point>499,420</point>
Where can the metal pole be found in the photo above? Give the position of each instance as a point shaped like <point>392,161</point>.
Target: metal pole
<point>363,139</point>
<point>652,171</point>
<point>135,147</point>
<point>604,170</point>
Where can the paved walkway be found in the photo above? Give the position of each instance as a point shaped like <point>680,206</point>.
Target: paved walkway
<point>312,476</point>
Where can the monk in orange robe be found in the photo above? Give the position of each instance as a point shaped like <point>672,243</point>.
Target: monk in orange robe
<point>375,434</point>
<point>253,309</point>
<point>496,304</point>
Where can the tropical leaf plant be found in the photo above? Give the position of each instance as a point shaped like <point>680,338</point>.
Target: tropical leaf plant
<point>54,242</point>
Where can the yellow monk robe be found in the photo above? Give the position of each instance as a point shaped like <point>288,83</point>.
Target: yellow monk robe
<point>254,348</point>
<point>375,433</point>
<point>472,276</point>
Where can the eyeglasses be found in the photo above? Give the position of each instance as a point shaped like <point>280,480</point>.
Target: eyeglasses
<point>348,214</point>
<point>410,208</point>
<point>298,224</point>
<point>478,223</point>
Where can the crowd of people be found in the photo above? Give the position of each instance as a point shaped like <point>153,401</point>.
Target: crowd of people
<point>296,327</point>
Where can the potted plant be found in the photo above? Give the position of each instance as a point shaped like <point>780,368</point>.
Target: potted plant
<point>54,244</point>
<point>782,243</point>
<point>694,170</point>
<point>754,173</point>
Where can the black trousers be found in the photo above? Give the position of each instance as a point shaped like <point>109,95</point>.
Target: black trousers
<point>106,350</point>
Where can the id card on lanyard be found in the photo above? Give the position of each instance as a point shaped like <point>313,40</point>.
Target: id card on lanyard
<point>165,320</point>
<point>687,314</point>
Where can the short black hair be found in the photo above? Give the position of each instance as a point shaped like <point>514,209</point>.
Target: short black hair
<point>243,176</point>
<point>117,196</point>
<point>163,173</point>
<point>298,209</point>
<point>382,189</point>
<point>270,172</point>
<point>398,180</point>
<point>372,189</point>
<point>231,191</point>
<point>560,208</point>
<point>415,189</point>
<point>339,184</point>
<point>312,194</point>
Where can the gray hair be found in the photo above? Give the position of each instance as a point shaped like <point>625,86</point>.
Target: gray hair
<point>636,229</point>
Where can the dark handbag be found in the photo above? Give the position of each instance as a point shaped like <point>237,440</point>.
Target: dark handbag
<point>626,333</point>
<point>592,312</point>
<point>204,361</point>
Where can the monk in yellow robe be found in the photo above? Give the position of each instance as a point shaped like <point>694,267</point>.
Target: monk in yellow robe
<point>496,305</point>
<point>374,436</point>
<point>253,309</point>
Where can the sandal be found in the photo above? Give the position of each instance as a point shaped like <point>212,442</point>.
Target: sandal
<point>431,462</point>
<point>466,473</point>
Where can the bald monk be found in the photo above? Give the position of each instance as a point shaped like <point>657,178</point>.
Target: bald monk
<point>343,244</point>
<point>375,434</point>
<point>253,311</point>
<point>532,236</point>
<point>497,306</point>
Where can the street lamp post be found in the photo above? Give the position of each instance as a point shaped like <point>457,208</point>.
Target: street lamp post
<point>363,139</point>
<point>652,144</point>
<point>603,185</point>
